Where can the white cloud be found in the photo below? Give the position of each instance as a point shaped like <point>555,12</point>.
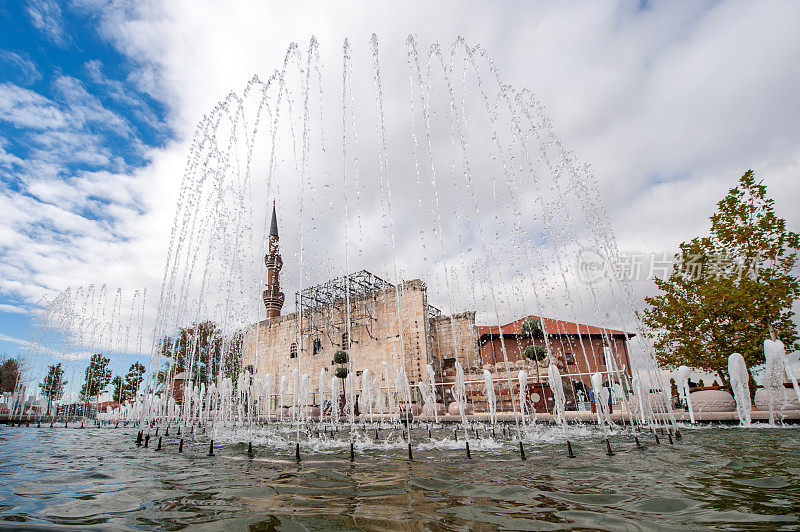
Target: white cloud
<point>20,67</point>
<point>45,15</point>
<point>121,94</point>
<point>25,108</point>
<point>669,105</point>
<point>8,159</point>
<point>86,108</point>
<point>12,309</point>
<point>13,340</point>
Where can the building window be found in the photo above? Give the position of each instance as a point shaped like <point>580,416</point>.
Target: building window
<point>317,346</point>
<point>293,351</point>
<point>570,358</point>
<point>345,339</point>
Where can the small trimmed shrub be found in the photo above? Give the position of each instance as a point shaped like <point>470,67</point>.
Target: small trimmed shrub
<point>340,357</point>
<point>532,328</point>
<point>535,352</point>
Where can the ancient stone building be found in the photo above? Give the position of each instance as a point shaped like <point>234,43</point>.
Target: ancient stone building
<point>374,321</point>
<point>378,324</point>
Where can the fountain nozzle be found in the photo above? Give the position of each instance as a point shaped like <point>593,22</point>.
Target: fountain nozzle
<point>609,452</point>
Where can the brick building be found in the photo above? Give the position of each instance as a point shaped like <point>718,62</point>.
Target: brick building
<point>575,348</point>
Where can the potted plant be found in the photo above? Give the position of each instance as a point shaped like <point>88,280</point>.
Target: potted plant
<point>340,358</point>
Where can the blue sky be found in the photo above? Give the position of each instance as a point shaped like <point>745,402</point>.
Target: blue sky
<point>99,100</point>
<point>73,109</point>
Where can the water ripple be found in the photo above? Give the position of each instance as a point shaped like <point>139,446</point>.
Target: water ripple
<point>97,478</point>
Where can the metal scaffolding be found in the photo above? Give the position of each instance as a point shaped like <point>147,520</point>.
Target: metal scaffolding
<point>323,306</point>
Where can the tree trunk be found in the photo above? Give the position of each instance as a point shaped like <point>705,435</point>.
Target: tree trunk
<point>723,377</point>
<point>772,334</point>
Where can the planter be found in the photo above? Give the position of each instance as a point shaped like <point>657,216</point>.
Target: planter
<point>427,410</point>
<point>782,399</point>
<point>713,401</point>
<point>455,409</point>
<point>657,404</point>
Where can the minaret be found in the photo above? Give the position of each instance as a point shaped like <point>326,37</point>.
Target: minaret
<point>273,297</point>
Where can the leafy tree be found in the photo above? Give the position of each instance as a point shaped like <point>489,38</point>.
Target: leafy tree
<point>731,290</point>
<point>532,328</point>
<point>535,352</point>
<point>127,389</point>
<point>232,357</point>
<point>97,377</point>
<point>118,395</point>
<point>133,380</point>
<point>53,384</point>
<point>203,347</point>
<point>10,371</point>
<point>673,387</point>
<point>340,358</point>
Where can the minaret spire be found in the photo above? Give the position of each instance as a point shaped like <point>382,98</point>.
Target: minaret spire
<point>273,226</point>
<point>273,297</point>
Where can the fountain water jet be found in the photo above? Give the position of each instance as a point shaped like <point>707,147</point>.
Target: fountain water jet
<point>683,388</point>
<point>739,379</point>
<point>216,214</point>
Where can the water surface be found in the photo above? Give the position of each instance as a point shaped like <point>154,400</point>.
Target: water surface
<point>96,478</point>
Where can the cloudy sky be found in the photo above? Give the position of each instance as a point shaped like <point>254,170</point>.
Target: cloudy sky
<point>667,102</point>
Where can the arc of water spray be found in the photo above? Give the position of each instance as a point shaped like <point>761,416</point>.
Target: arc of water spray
<point>683,379</point>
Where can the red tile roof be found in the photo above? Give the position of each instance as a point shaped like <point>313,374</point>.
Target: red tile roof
<point>551,326</point>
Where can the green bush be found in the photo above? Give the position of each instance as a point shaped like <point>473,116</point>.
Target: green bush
<point>532,328</point>
<point>341,373</point>
<point>535,352</point>
<point>340,357</point>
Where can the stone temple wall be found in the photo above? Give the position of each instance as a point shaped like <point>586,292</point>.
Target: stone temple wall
<point>443,349</point>
<point>268,344</point>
